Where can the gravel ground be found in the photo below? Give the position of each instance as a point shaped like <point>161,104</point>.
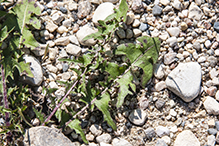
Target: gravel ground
<point>179,106</point>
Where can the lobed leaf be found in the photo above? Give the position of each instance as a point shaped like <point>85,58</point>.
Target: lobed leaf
<point>102,105</point>
<point>75,124</point>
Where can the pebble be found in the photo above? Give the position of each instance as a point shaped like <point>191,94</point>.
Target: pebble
<point>95,129</point>
<point>166,139</point>
<point>186,138</point>
<point>184,26</point>
<point>53,85</point>
<point>72,6</point>
<point>211,91</point>
<point>165,2</point>
<point>162,131</point>
<point>212,131</point>
<point>160,86</point>
<point>62,29</point>
<point>137,6</point>
<point>136,23</point>
<point>106,138</point>
<point>62,41</point>
<point>129,33</point>
<point>212,61</point>
<point>172,41</point>
<point>185,80</point>
<point>121,33</point>
<point>208,44</point>
<point>169,58</point>
<point>177,5</point>
<point>73,49</point>
<point>211,140</point>
<point>84,8</point>
<point>52,53</point>
<point>211,123</point>
<point>157,10</point>
<point>41,134</point>
<point>159,71</point>
<point>211,106</point>
<point>159,103</point>
<point>50,26</point>
<point>150,133</point>
<point>160,142</point>
<point>130,18</point>
<point>137,32</point>
<point>216,26</point>
<point>138,117</point>
<point>173,31</point>
<point>63,10</point>
<point>143,103</point>
<point>83,32</point>
<point>36,70</point>
<point>217,137</point>
<point>57,18</point>
<point>217,125</point>
<point>195,12</point>
<point>111,1</point>
<point>120,142</point>
<point>102,11</point>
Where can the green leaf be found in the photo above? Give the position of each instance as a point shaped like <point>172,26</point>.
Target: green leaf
<point>102,105</point>
<point>75,124</point>
<point>122,11</point>
<point>39,115</point>
<point>124,82</point>
<point>4,33</point>
<point>114,69</point>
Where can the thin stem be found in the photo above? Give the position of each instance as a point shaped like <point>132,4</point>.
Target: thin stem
<point>5,99</point>
<point>59,104</point>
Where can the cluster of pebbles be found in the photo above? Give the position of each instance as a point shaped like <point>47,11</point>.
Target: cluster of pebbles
<point>179,107</point>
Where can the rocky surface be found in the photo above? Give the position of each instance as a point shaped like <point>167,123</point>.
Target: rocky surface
<point>178,107</point>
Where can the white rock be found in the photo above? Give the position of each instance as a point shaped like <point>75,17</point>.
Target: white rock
<point>102,11</point>
<point>120,142</point>
<point>105,144</point>
<point>73,40</point>
<point>161,131</point>
<point>67,23</point>
<point>53,85</point>
<point>166,139</point>
<point>57,18</point>
<point>211,140</point>
<point>137,32</point>
<point>136,23</point>
<point>66,76</point>
<point>208,44</point>
<point>72,6</point>
<point>160,86</point>
<point>73,49</point>
<point>165,2</point>
<point>164,36</point>
<point>177,4</point>
<point>172,41</point>
<point>52,53</point>
<point>36,70</point>
<point>159,71</point>
<point>211,106</point>
<point>138,117</point>
<point>217,95</point>
<point>195,12</point>
<point>186,138</point>
<point>62,29</point>
<point>95,129</point>
<point>173,31</point>
<point>51,68</point>
<point>106,138</point>
<point>185,80</point>
<point>83,32</point>
<point>50,26</point>
<point>63,41</point>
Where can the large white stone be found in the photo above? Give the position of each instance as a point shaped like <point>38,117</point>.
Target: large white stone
<point>83,32</point>
<point>173,31</point>
<point>185,80</point>
<point>102,11</point>
<point>138,117</point>
<point>195,12</point>
<point>186,138</point>
<point>211,105</point>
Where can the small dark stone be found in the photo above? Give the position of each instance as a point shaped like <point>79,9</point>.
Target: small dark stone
<point>157,10</point>
<point>49,11</point>
<point>217,125</point>
<point>160,142</point>
<point>63,10</point>
<point>150,133</point>
<point>216,26</point>
<point>143,26</point>
<point>147,2</point>
<point>159,103</point>
<point>212,131</point>
<point>2,8</point>
<point>65,67</point>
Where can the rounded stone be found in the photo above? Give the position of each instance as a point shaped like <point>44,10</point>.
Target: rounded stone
<point>157,10</point>
<point>186,138</point>
<point>138,117</point>
<point>185,80</point>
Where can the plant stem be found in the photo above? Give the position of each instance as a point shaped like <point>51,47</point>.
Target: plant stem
<point>59,104</point>
<point>7,117</point>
